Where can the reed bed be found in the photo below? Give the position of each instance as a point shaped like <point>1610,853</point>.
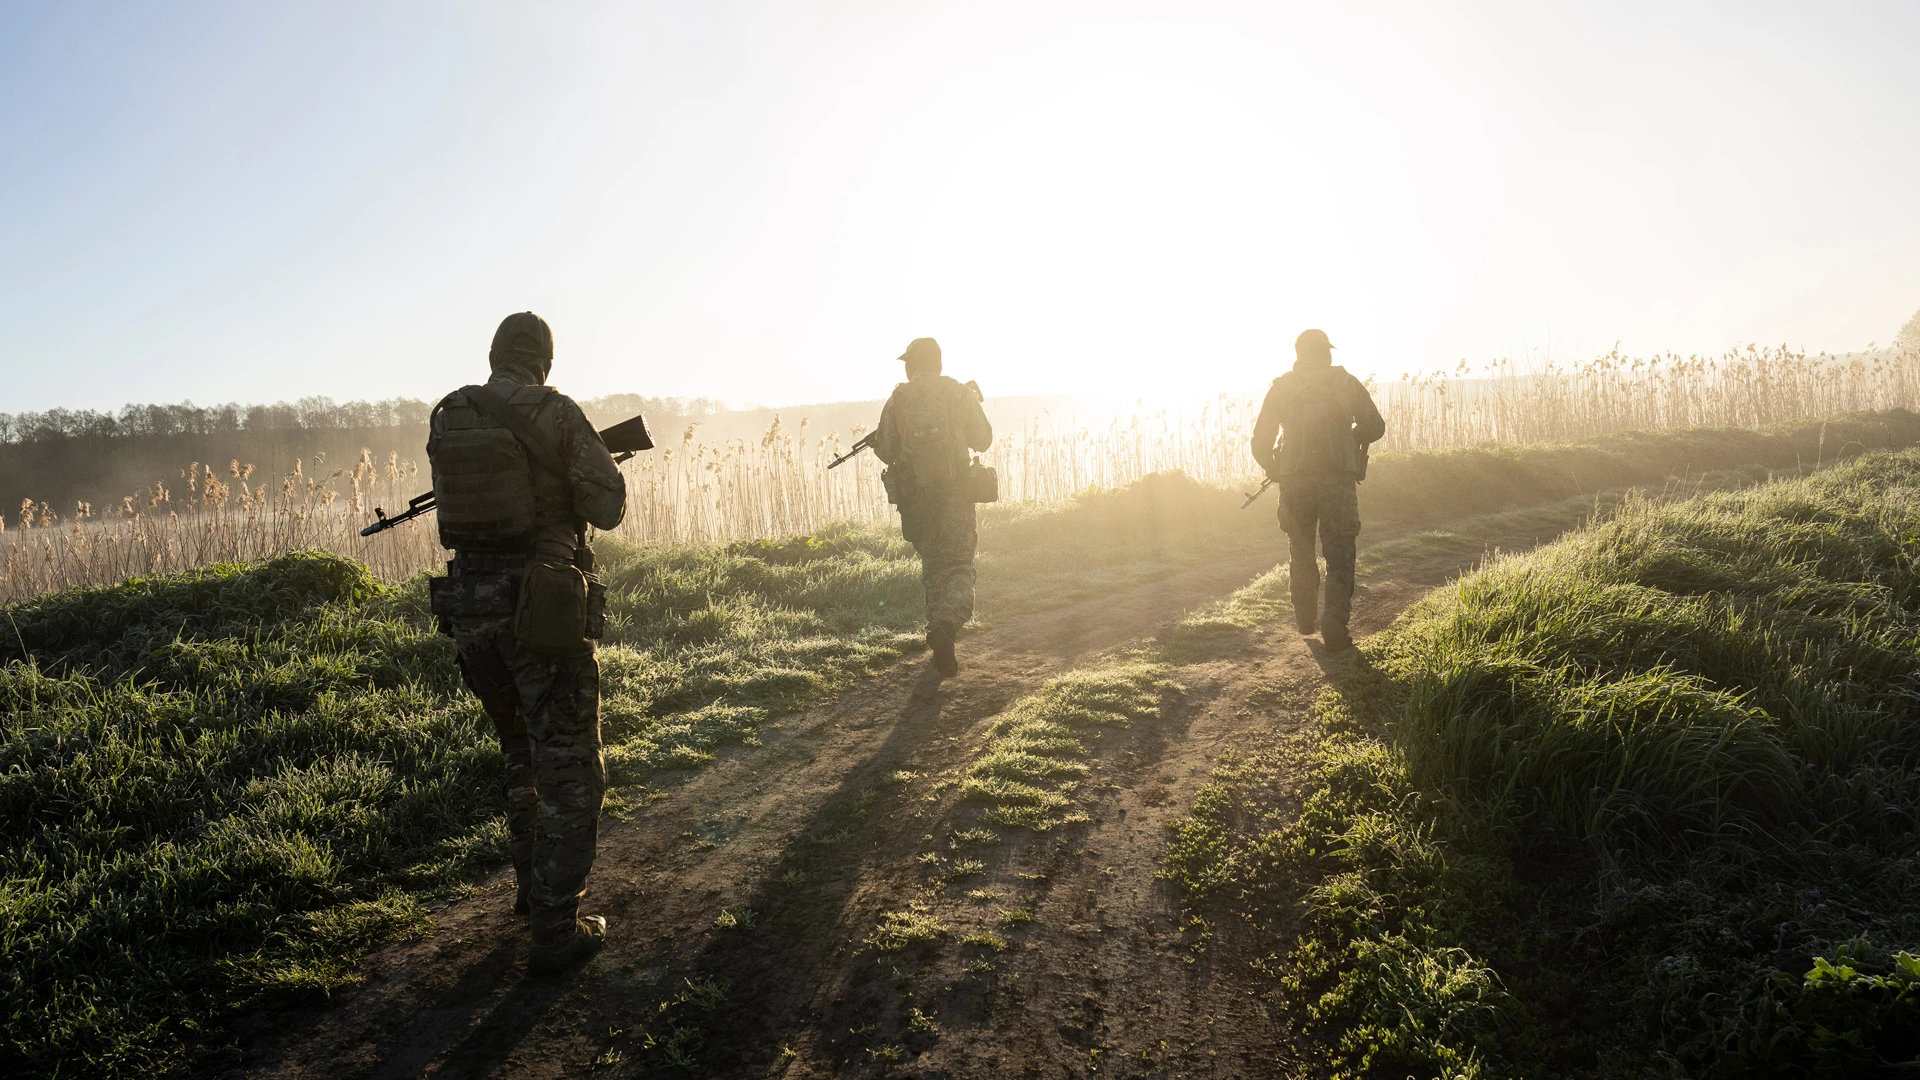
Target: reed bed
<point>1510,402</point>
<point>779,484</point>
<point>208,515</point>
<point>694,491</point>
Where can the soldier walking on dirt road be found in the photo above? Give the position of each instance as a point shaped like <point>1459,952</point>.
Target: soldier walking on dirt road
<point>518,475</point>
<point>1328,420</point>
<point>925,432</point>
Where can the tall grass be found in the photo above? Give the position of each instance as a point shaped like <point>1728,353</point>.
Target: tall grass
<point>1513,402</point>
<point>692,490</point>
<point>207,515</point>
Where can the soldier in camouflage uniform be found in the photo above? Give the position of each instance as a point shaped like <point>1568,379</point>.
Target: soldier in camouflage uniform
<point>518,474</point>
<point>925,432</point>
<point>1328,419</point>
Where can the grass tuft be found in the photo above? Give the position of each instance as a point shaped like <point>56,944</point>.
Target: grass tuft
<point>898,930</point>
<point>1027,772</point>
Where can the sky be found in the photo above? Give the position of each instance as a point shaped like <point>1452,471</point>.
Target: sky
<point>763,202</point>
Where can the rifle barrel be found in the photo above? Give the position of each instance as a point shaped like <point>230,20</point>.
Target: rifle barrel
<point>1259,491</point>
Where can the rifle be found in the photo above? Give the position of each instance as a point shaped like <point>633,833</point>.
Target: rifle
<point>1261,490</point>
<point>865,441</point>
<point>624,439</point>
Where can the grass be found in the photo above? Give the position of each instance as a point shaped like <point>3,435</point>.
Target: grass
<point>1645,802</point>
<point>899,930</point>
<point>1028,770</point>
<point>1751,387</point>
<point>230,783</point>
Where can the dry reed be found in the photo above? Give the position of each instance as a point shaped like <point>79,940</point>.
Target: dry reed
<point>778,484</point>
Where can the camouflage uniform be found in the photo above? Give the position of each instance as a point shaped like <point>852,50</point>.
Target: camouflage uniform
<point>1328,419</point>
<point>939,523</point>
<point>546,708</point>
<point>943,531</point>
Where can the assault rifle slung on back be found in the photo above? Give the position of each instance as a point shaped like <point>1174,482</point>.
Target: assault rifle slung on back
<point>624,439</point>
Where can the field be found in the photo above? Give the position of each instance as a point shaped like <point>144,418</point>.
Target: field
<point>236,782</point>
<point>706,483</point>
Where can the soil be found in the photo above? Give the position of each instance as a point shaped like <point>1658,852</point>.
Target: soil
<point>817,831</point>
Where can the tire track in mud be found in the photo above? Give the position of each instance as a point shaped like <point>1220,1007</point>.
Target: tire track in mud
<point>813,833</point>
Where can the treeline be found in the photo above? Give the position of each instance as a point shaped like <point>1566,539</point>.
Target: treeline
<point>307,414</point>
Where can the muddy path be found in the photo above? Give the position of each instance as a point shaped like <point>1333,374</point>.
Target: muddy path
<point>740,896</point>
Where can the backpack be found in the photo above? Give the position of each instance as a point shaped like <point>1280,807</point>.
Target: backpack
<point>483,484</point>
<point>933,452</point>
<point>1319,428</point>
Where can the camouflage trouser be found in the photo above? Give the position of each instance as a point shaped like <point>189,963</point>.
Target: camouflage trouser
<point>943,530</point>
<point>547,711</point>
<point>1334,506</point>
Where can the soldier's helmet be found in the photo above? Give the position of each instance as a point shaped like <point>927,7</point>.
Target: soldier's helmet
<point>525,341</point>
<point>922,353</point>
<point>1312,347</point>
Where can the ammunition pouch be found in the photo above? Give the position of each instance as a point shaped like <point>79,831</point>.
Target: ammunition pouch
<point>891,485</point>
<point>1360,463</point>
<point>596,608</point>
<point>982,483</point>
<point>555,613</point>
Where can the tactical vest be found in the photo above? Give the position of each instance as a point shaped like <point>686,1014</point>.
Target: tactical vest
<point>488,493</point>
<point>933,446</point>
<point>1318,427</point>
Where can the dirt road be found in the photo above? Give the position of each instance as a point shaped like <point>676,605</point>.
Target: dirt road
<point>740,896</point>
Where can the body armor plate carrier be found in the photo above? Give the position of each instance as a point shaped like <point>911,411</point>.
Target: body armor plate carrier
<point>490,494</point>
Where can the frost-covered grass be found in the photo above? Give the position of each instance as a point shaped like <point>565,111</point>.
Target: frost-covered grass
<point>1643,802</point>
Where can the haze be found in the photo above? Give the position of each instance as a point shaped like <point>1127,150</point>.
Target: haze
<point>764,202</point>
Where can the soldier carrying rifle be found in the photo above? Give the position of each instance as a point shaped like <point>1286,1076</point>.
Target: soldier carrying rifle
<point>1328,420</point>
<point>925,432</point>
<point>518,475</point>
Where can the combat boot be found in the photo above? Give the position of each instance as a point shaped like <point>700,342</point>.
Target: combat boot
<point>589,937</point>
<point>940,640</point>
<point>1336,639</point>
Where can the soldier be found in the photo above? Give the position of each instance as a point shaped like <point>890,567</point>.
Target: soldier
<point>925,431</point>
<point>1328,419</point>
<point>518,475</point>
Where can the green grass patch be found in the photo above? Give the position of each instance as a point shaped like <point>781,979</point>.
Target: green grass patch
<point>233,782</point>
<point>1645,802</point>
<point>898,930</point>
<point>1027,772</point>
